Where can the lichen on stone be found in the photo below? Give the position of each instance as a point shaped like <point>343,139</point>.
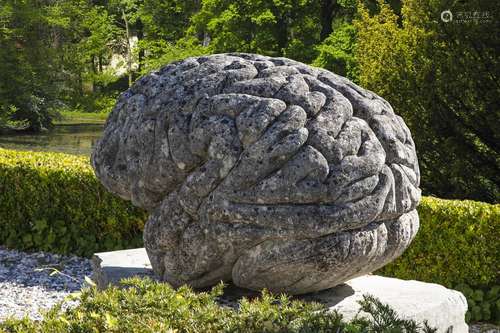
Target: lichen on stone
<point>262,171</point>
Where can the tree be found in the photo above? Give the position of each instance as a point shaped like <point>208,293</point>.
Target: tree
<point>128,21</point>
<point>336,53</point>
<point>168,20</point>
<point>164,27</point>
<point>28,84</point>
<point>93,37</point>
<point>272,27</point>
<point>443,78</point>
<point>52,53</point>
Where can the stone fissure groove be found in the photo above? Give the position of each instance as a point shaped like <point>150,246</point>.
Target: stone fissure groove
<point>237,138</point>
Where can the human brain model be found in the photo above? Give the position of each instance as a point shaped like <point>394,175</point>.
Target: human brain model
<point>261,171</point>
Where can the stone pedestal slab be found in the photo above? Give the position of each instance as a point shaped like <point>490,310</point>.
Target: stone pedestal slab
<point>111,267</point>
<point>441,307</point>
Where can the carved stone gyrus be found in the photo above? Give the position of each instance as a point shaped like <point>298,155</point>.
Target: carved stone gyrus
<point>263,171</point>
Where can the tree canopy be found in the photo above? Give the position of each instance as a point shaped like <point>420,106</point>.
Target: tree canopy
<point>442,77</point>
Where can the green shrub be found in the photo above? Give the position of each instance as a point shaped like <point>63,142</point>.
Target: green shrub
<point>483,304</point>
<point>156,307</point>
<point>53,202</point>
<point>336,52</point>
<point>457,243</point>
<point>442,78</point>
<point>457,246</point>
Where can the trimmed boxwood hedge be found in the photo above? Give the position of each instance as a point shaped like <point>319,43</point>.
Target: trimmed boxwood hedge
<point>458,242</point>
<point>54,202</point>
<point>458,246</point>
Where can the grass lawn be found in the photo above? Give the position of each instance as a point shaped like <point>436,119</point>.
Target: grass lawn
<point>76,117</point>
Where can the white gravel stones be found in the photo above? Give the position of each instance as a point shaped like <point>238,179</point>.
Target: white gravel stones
<point>31,282</point>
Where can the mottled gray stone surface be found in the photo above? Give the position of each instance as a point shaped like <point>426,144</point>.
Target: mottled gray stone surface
<point>110,267</point>
<point>442,308</point>
<point>263,171</point>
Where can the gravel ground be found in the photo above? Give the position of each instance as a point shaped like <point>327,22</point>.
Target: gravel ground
<point>26,283</point>
<point>27,286</point>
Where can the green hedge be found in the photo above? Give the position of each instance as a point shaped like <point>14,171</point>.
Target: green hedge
<point>458,246</point>
<point>458,242</point>
<point>53,202</point>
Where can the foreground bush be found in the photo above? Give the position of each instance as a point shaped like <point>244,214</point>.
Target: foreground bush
<point>155,307</point>
<point>53,202</point>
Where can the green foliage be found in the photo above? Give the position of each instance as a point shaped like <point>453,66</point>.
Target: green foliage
<point>483,304</point>
<point>26,94</point>
<point>52,53</point>
<point>79,54</point>
<point>6,119</point>
<point>386,319</point>
<point>53,202</point>
<point>336,53</point>
<point>163,26</point>
<point>457,243</point>
<point>167,20</point>
<point>457,246</point>
<point>71,117</point>
<point>146,306</point>
<point>288,28</point>
<point>442,77</point>
<point>161,52</point>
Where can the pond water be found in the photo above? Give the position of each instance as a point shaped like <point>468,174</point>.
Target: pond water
<point>77,139</point>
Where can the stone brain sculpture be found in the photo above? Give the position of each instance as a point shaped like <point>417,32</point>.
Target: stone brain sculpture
<point>261,171</point>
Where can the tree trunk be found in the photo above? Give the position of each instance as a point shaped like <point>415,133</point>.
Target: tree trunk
<point>282,34</point>
<point>140,36</point>
<point>129,49</point>
<point>100,63</point>
<point>326,18</point>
